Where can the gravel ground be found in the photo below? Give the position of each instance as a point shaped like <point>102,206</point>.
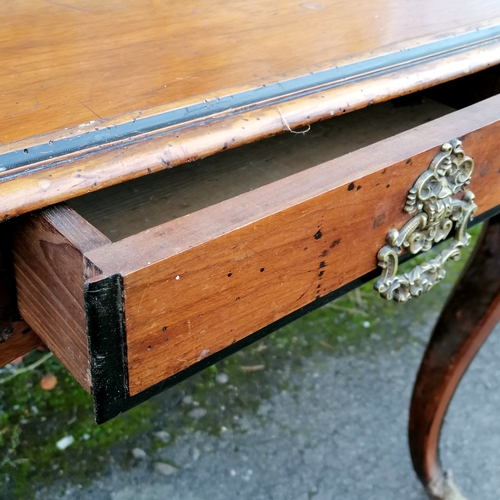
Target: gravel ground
<point>338,431</point>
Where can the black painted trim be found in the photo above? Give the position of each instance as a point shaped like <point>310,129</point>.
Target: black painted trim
<point>107,344</point>
<point>282,91</point>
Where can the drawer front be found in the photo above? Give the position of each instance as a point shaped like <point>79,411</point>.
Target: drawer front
<point>157,306</point>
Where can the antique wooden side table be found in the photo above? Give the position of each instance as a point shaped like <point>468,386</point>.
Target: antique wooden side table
<point>137,274</point>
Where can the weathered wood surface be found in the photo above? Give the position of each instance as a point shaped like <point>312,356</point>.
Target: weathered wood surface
<point>54,82</point>
<point>197,284</point>
<point>471,313</point>
<point>50,271</point>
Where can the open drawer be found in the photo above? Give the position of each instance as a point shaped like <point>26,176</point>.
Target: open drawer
<point>138,286</point>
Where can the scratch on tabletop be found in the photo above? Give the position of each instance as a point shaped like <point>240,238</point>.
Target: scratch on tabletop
<point>85,106</point>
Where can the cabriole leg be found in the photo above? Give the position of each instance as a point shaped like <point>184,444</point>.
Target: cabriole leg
<point>472,311</point>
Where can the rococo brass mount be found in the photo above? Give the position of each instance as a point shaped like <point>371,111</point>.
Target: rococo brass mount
<point>436,214</point>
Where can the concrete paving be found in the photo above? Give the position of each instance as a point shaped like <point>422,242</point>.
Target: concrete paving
<point>336,431</point>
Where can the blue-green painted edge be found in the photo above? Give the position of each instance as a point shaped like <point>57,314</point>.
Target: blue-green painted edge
<point>306,84</point>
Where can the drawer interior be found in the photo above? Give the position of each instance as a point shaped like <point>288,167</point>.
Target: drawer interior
<point>123,210</point>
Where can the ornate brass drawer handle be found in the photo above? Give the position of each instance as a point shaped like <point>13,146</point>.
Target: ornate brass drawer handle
<point>436,214</point>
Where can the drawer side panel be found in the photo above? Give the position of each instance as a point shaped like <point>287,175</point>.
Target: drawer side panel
<point>50,271</point>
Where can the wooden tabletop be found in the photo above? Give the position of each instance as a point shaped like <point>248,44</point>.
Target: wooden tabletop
<point>81,75</point>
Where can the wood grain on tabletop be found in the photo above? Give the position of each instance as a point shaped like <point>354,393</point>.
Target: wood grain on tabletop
<point>197,284</point>
<point>63,64</point>
<point>50,272</point>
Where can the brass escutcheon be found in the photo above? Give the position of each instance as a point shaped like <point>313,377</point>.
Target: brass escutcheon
<point>436,213</point>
